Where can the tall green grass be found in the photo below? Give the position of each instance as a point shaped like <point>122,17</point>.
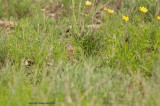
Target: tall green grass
<point>83,84</point>
<point>117,64</point>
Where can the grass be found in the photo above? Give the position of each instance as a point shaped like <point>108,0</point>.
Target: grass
<point>117,64</point>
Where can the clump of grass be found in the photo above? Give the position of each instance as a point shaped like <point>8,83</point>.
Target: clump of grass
<point>18,8</point>
<point>3,51</point>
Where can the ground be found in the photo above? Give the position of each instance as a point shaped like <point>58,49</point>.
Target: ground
<point>77,53</point>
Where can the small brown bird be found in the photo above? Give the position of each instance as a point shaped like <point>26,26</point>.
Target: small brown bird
<point>70,51</point>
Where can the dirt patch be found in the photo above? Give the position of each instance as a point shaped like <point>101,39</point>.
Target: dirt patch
<point>54,10</point>
<point>6,23</point>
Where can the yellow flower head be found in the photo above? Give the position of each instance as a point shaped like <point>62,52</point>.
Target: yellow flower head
<point>125,18</point>
<point>110,11</point>
<point>88,3</point>
<point>143,9</point>
<point>158,17</point>
<point>105,8</point>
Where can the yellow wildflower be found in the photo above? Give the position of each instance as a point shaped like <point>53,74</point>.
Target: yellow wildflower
<point>110,11</point>
<point>105,8</point>
<point>125,18</point>
<point>158,17</point>
<point>88,3</point>
<point>143,9</point>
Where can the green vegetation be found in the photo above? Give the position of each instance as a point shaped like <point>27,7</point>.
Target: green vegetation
<point>56,52</point>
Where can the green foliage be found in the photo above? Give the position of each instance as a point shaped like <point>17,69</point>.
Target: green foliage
<point>116,64</point>
<point>17,8</point>
<point>72,84</point>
